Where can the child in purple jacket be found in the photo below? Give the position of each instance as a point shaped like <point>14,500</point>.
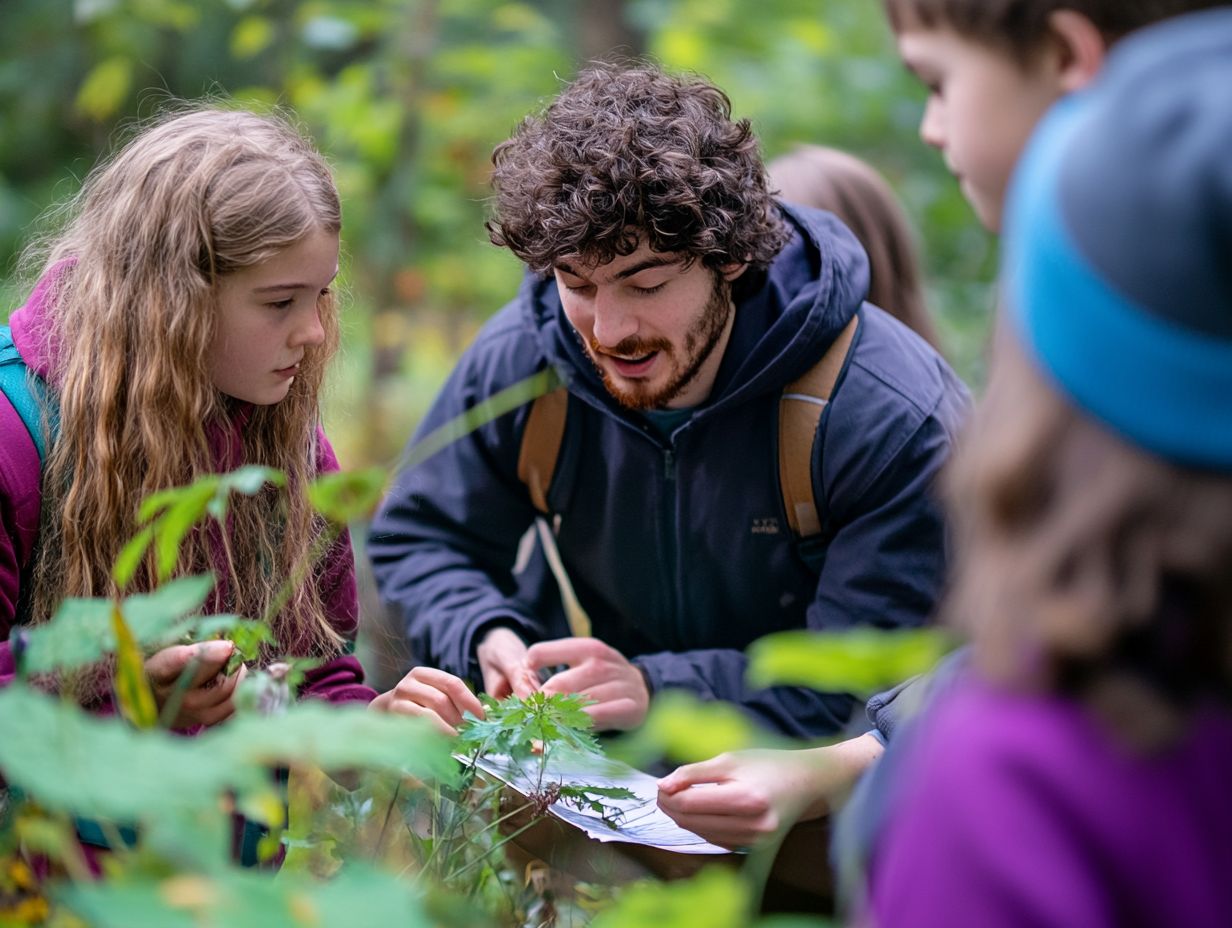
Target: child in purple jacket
<point>181,325</point>
<point>1079,775</point>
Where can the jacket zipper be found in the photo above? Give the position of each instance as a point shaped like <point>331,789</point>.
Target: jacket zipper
<point>671,531</point>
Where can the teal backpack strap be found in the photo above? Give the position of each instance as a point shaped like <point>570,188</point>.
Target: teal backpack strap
<point>26,391</point>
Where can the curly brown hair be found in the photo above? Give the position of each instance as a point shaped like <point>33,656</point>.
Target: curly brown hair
<point>626,154</point>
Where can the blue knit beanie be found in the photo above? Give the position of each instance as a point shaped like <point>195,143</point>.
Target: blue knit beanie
<point>1118,252</point>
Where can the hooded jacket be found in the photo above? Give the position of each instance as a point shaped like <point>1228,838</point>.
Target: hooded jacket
<point>338,680</point>
<point>677,546</point>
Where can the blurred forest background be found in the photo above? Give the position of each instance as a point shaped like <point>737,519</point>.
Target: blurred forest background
<point>407,99</point>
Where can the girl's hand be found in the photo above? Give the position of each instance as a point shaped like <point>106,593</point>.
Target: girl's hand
<point>744,797</point>
<point>433,694</point>
<point>207,698</point>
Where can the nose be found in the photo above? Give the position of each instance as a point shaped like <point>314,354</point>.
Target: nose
<point>613,320</point>
<point>932,124</point>
<point>310,330</point>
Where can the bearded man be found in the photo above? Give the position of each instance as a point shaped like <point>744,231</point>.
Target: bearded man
<point>678,301</point>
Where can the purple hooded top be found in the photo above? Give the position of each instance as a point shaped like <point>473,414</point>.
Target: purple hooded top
<point>338,680</point>
<point>1024,811</point>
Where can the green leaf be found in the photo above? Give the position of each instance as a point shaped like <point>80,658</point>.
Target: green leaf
<point>134,697</point>
<point>682,727</point>
<point>99,767</point>
<point>81,631</point>
<point>519,727</point>
<point>105,88</point>
<point>131,556</point>
<point>346,496</point>
<point>861,661</point>
<point>336,738</point>
<point>718,892</point>
<point>175,522</point>
<point>358,898</point>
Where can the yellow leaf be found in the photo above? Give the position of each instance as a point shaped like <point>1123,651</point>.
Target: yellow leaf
<point>133,694</point>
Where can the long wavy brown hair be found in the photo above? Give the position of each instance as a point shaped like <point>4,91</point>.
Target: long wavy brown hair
<point>1088,565</point>
<point>192,198</point>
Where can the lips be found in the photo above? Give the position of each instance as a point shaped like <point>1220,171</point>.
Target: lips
<point>288,371</point>
<point>634,367</point>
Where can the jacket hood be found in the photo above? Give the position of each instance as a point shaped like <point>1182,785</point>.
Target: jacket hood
<point>32,323</point>
<point>786,316</point>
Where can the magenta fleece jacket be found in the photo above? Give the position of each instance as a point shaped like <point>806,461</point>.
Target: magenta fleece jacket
<point>339,680</point>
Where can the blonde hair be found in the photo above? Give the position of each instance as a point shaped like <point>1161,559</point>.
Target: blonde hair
<point>191,199</point>
<point>1084,559</point>
<point>829,179</point>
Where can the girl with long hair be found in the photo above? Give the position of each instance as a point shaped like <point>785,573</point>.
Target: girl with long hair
<point>182,323</point>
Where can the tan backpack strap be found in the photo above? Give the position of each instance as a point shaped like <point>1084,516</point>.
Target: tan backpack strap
<point>545,429</point>
<point>800,409</point>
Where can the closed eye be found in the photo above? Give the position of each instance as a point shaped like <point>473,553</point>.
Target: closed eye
<point>646,291</point>
<point>281,304</point>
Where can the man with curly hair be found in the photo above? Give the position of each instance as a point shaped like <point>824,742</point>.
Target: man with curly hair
<point>677,300</point>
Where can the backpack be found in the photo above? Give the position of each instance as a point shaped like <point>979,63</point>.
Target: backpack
<point>800,408</point>
<point>26,391</point>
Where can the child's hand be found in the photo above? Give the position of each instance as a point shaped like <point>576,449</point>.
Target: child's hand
<point>433,694</point>
<point>205,698</point>
<point>742,798</point>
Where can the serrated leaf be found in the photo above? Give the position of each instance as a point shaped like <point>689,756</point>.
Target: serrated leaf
<point>861,661</point>
<point>345,496</point>
<point>134,697</point>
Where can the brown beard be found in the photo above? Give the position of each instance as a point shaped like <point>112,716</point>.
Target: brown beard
<point>699,344</point>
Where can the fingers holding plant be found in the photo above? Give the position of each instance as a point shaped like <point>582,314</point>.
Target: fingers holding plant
<point>598,671</point>
<point>433,694</point>
<point>192,679</point>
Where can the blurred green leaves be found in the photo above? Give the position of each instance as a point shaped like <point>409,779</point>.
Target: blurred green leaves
<point>860,660</point>
<point>81,632</point>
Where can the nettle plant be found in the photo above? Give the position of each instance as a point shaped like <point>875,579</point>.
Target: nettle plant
<point>379,820</point>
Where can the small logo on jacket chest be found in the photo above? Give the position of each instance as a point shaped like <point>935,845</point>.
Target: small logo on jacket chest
<point>768,526</point>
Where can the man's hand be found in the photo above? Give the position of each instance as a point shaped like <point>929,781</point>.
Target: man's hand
<point>744,797</point>
<point>502,661</point>
<point>433,694</point>
<point>596,670</point>
<point>207,700</point>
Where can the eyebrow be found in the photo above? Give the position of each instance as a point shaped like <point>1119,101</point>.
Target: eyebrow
<point>291,286</point>
<point>629,271</point>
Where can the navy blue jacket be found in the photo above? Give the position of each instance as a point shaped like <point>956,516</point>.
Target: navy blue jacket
<point>678,548</point>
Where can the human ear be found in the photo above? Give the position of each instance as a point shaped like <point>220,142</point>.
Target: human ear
<point>1082,48</point>
<point>731,271</point>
